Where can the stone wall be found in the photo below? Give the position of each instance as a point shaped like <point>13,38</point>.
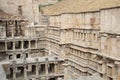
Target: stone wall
<point>29,8</point>
<point>83,20</point>
<point>110,32</point>
<point>89,42</point>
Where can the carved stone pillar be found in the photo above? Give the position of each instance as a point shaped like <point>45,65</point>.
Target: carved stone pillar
<point>22,45</point>
<point>56,67</point>
<point>36,44</point>
<point>86,37</point>
<point>117,70</point>
<point>77,35</point>
<point>6,27</point>
<point>74,35</point>
<point>25,71</point>
<point>14,55</point>
<point>66,77</point>
<point>83,36</point>
<point>29,44</point>
<point>14,73</point>
<point>14,70</point>
<point>37,69</point>
<point>12,32</point>
<point>89,37</point>
<point>105,68</point>
<point>5,45</point>
<point>80,35</point>
<point>13,45</point>
<point>46,68</point>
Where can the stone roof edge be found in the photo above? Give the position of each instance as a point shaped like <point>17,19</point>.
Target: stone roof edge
<point>89,11</point>
<point>75,13</point>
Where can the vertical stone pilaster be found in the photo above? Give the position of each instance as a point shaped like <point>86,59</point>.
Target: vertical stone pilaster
<point>12,32</point>
<point>6,27</point>
<point>109,46</point>
<point>66,77</point>
<point>83,37</point>
<point>23,56</point>
<point>13,45</point>
<point>5,33</point>
<point>46,68</point>
<point>36,44</point>
<point>96,37</point>
<point>99,42</point>
<point>25,72</point>
<point>80,35</point>
<point>56,67</point>
<point>86,39</point>
<point>92,36</point>
<point>29,44</point>
<point>14,70</point>
<point>88,36</point>
<point>14,55</point>
<point>77,35</point>
<point>117,70</point>
<point>73,34</point>
<point>105,68</point>
<point>37,69</point>
<point>22,45</point>
<point>5,45</point>
<point>14,73</point>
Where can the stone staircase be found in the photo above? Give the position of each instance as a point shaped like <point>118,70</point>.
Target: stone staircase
<point>87,78</point>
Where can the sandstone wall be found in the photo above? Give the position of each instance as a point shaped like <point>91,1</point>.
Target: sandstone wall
<point>9,6</point>
<point>82,20</point>
<point>30,8</point>
<point>89,41</point>
<point>110,20</point>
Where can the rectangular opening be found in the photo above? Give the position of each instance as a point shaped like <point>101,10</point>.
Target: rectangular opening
<point>17,45</point>
<point>10,45</point>
<point>9,32</point>
<point>18,56</point>
<point>2,46</point>
<point>26,55</point>
<point>51,68</point>
<point>42,69</point>
<point>33,44</point>
<point>25,44</point>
